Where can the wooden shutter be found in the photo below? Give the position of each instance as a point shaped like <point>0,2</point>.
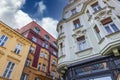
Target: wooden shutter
<point>106,21</point>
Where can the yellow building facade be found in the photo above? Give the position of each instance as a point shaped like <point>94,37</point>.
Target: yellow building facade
<point>14,49</point>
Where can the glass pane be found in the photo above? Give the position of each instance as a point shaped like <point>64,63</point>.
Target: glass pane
<point>108,29</point>
<point>114,27</point>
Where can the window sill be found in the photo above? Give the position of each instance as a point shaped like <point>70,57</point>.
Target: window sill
<point>16,53</point>
<point>101,40</point>
<point>108,35</point>
<point>62,56</point>
<point>77,28</point>
<point>87,49</point>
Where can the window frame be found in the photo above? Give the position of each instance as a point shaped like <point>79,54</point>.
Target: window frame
<point>18,48</point>
<point>4,40</point>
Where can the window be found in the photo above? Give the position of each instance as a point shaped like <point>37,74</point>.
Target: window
<point>24,76</point>
<point>34,39</point>
<point>82,43</point>
<point>61,48</point>
<point>109,26</point>
<point>31,49</point>
<point>77,23</point>
<point>18,48</point>
<point>37,30</point>
<point>39,67</point>
<point>43,68</point>
<point>47,46</point>
<point>45,55</point>
<point>3,40</point>
<point>43,44</point>
<point>54,44</point>
<point>8,70</point>
<point>96,7</point>
<point>46,37</point>
<point>53,74</point>
<point>28,62</point>
<point>60,29</point>
<point>37,78</point>
<point>54,53</point>
<point>97,32</point>
<point>54,62</point>
<point>41,54</point>
<point>73,11</point>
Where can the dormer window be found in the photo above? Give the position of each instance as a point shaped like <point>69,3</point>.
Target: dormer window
<point>96,7</point>
<point>37,30</point>
<point>77,23</point>
<point>46,37</point>
<point>73,11</point>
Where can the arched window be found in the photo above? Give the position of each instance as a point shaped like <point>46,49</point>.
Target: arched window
<point>37,30</point>
<point>46,37</point>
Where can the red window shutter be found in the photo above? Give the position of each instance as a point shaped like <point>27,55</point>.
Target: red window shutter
<point>106,21</point>
<point>76,21</point>
<point>81,38</point>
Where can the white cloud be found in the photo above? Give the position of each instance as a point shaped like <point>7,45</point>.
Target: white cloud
<point>49,24</point>
<point>11,15</point>
<point>41,7</point>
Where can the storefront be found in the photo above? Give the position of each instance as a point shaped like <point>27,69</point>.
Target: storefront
<point>99,68</point>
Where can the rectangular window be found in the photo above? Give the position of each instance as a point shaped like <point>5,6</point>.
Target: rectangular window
<point>43,44</point>
<point>24,77</point>
<point>55,53</point>
<point>41,54</point>
<point>82,43</point>
<point>73,11</point>
<point>110,27</point>
<point>8,71</point>
<point>28,62</point>
<point>45,55</point>
<point>31,49</point>
<point>3,40</point>
<point>37,78</point>
<point>39,67</point>
<point>43,68</point>
<point>53,74</point>
<point>34,39</point>
<point>97,31</point>
<point>47,46</point>
<point>18,48</point>
<point>54,62</point>
<point>77,23</point>
<point>96,7</point>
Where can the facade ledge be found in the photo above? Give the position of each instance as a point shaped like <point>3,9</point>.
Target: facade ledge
<point>112,34</point>
<point>1,78</point>
<point>14,56</point>
<point>1,50</point>
<point>101,40</point>
<point>87,49</point>
<point>61,36</point>
<point>62,56</point>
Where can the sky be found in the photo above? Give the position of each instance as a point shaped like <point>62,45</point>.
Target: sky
<point>47,13</point>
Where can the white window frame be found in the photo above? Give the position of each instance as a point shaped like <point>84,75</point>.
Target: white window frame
<point>39,66</point>
<point>34,39</point>
<point>43,68</point>
<point>18,48</point>
<point>8,70</point>
<point>110,27</point>
<point>82,45</point>
<point>96,8</point>
<point>28,61</point>
<point>32,49</point>
<point>4,40</point>
<point>41,54</point>
<point>25,76</point>
<point>54,52</point>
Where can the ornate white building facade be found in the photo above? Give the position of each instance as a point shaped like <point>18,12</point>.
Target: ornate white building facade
<point>89,40</point>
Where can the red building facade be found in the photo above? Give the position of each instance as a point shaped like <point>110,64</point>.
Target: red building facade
<point>41,63</point>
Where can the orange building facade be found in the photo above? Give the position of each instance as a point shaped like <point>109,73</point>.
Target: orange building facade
<point>41,63</point>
